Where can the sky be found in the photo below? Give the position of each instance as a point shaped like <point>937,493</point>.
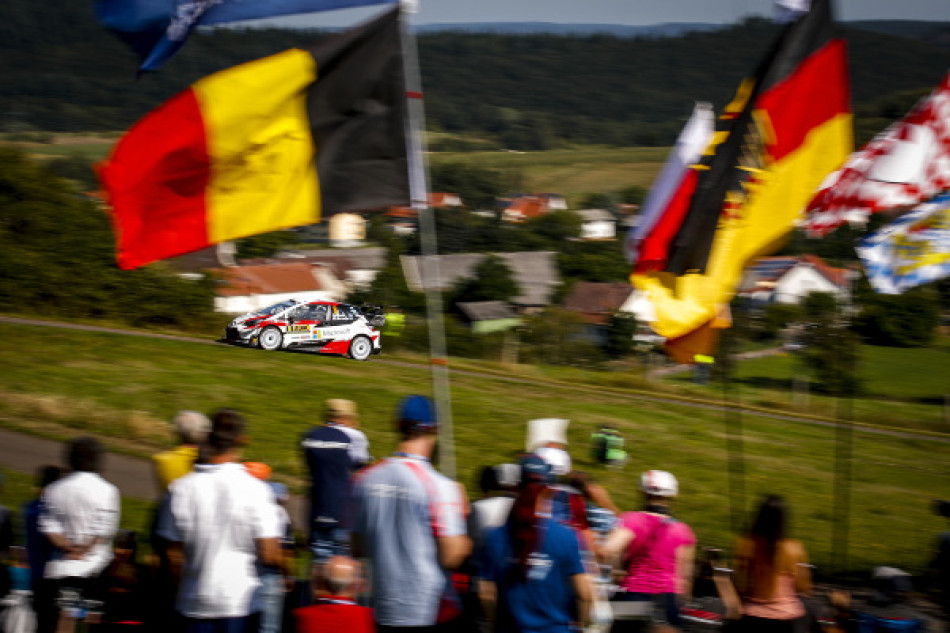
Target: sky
<point>627,12</point>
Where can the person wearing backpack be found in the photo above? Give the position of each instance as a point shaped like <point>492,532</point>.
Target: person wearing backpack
<point>656,553</point>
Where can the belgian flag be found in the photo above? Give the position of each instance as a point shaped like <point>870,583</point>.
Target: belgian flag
<point>266,145</point>
<point>788,127</point>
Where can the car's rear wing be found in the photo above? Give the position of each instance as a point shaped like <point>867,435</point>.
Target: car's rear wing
<point>375,315</point>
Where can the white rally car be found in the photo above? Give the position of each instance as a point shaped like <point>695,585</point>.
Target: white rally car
<point>333,328</point>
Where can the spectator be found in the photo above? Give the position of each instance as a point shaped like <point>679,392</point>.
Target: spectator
<point>39,550</point>
<point>607,447</point>
<point>532,572</point>
<point>770,570</point>
<point>498,485</point>
<point>80,517</point>
<point>547,438</point>
<point>6,542</point>
<point>940,564</point>
<point>221,522</point>
<point>656,553</point>
<point>336,611</point>
<point>191,428</point>
<point>332,452</point>
<point>274,578</point>
<point>410,523</point>
<point>126,587</point>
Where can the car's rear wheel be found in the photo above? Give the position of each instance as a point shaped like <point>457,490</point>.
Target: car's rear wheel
<point>270,338</point>
<point>361,348</point>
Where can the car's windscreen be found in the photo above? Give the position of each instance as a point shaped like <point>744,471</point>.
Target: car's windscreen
<point>274,309</point>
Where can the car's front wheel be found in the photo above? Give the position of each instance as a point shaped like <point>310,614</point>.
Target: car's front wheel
<point>270,339</point>
<point>361,348</point>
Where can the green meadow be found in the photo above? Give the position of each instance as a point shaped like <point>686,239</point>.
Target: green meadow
<point>58,383</point>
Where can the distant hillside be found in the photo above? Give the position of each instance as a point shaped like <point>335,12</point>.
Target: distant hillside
<point>934,33</point>
<point>669,29</point>
<point>61,71</point>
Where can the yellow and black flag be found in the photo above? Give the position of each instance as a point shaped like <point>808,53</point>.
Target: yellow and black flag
<point>266,145</point>
<point>788,127</point>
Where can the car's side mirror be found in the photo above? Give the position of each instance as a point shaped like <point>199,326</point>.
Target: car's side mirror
<point>291,319</point>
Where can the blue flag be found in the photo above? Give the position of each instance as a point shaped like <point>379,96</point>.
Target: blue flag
<point>156,29</point>
<point>912,250</point>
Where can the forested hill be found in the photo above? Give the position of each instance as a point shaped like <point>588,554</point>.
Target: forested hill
<point>61,71</point>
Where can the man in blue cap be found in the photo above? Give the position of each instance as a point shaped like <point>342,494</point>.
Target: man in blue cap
<point>410,524</point>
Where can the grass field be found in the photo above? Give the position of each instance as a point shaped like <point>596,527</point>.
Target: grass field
<point>59,383</point>
<point>901,387</point>
<point>572,173</point>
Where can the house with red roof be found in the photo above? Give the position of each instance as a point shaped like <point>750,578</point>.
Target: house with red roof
<point>790,279</point>
<point>246,288</point>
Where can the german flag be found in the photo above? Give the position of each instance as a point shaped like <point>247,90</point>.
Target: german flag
<point>264,146</point>
<point>789,126</point>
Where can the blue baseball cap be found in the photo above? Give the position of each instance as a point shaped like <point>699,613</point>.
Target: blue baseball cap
<point>535,470</point>
<point>416,413</point>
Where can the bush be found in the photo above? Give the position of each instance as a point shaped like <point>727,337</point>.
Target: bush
<point>907,320</point>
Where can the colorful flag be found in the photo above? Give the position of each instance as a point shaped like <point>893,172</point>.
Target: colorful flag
<point>792,127</point>
<point>265,146</point>
<point>907,163</point>
<point>912,250</point>
<point>666,203</point>
<point>156,29</point>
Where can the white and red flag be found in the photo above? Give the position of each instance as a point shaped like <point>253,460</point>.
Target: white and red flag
<point>907,163</point>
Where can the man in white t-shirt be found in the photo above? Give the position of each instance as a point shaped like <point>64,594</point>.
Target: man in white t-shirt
<point>80,517</point>
<point>223,521</point>
<point>410,523</point>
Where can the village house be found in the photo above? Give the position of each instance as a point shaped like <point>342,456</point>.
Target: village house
<point>597,224</point>
<point>535,272</point>
<point>790,279</point>
<point>247,288</point>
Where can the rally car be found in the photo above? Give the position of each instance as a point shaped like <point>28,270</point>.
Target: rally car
<point>333,328</point>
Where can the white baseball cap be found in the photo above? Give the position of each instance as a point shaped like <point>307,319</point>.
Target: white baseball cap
<point>659,483</point>
<point>557,458</point>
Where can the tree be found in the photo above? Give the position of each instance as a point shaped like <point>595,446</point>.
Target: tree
<point>492,281</point>
<point>265,244</point>
<point>478,187</point>
<point>830,348</point>
<point>555,227</point>
<point>906,320</point>
<point>57,258</point>
<point>557,338</point>
<point>621,328</point>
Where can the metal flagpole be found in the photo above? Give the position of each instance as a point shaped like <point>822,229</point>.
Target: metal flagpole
<point>734,440</point>
<point>431,278</point>
<point>841,511</point>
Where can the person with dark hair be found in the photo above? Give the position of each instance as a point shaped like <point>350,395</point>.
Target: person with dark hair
<point>498,484</point>
<point>770,571</point>
<point>410,523</point>
<point>39,550</point>
<point>80,516</point>
<point>221,521</point>
<point>532,574</point>
<point>335,609</point>
<point>656,553</point>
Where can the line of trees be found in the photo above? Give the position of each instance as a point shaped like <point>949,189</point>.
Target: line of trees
<point>62,71</point>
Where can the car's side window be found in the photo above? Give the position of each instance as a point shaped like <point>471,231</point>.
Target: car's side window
<point>318,313</point>
<point>340,315</point>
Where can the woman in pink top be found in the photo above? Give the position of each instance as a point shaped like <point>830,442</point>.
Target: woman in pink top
<point>770,572</point>
<point>656,553</point>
